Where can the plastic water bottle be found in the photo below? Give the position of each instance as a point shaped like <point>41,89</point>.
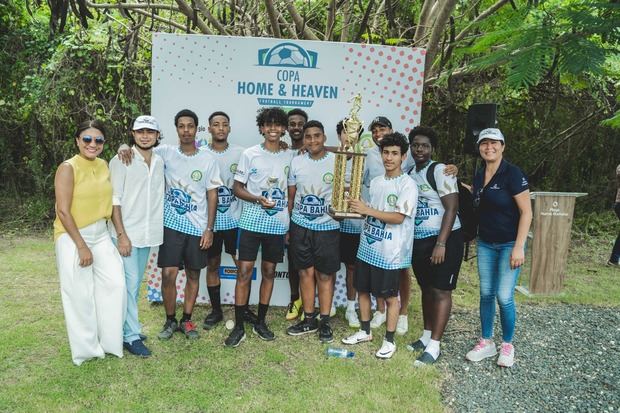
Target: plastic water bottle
<point>341,353</point>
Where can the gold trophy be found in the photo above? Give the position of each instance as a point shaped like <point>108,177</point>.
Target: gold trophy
<point>350,148</point>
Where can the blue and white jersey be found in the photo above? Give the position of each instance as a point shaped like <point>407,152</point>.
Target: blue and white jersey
<point>373,167</point>
<point>265,173</point>
<point>350,226</point>
<point>313,182</point>
<point>228,206</point>
<point>389,246</point>
<point>430,210</point>
<point>188,178</point>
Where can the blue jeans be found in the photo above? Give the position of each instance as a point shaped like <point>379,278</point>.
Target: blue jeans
<point>134,265</point>
<point>497,281</point>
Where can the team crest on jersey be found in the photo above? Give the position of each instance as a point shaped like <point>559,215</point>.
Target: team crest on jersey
<point>392,199</point>
<point>225,198</point>
<point>328,178</point>
<point>424,188</point>
<point>196,175</point>
<point>423,212</point>
<point>311,207</point>
<point>233,168</point>
<point>374,230</point>
<point>180,201</point>
<point>278,197</point>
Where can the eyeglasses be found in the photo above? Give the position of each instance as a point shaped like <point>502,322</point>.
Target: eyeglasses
<point>99,140</point>
<point>415,146</point>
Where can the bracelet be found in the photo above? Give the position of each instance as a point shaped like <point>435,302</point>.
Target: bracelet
<point>209,229</point>
<point>257,201</point>
<point>440,244</point>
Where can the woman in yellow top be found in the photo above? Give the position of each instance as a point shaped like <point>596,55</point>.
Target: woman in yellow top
<point>92,280</point>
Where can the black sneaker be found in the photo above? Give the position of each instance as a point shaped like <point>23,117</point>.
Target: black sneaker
<point>308,325</point>
<point>416,346</point>
<point>250,317</point>
<point>236,336</point>
<point>169,328</point>
<point>263,331</point>
<point>137,348</point>
<point>326,334</point>
<point>212,319</point>
<point>189,329</point>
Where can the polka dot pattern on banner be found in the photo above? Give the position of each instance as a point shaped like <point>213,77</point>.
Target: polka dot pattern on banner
<point>402,74</point>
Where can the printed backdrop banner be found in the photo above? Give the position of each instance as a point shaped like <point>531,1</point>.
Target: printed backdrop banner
<point>239,75</point>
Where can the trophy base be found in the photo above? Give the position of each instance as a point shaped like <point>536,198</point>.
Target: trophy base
<point>344,215</point>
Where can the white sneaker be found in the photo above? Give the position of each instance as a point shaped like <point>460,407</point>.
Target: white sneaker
<point>351,317</point>
<point>506,355</point>
<point>358,337</point>
<point>484,349</point>
<point>402,326</point>
<point>386,351</point>
<point>378,319</point>
<point>332,312</point>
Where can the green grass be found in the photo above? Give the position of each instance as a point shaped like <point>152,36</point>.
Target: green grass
<point>288,374</point>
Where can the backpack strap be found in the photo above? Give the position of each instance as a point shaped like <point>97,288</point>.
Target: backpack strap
<point>430,175</point>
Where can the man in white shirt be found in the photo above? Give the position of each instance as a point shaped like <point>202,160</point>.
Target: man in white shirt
<point>137,217</point>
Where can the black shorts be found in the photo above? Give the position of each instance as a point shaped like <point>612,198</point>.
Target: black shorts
<point>272,246</point>
<point>289,257</point>
<point>318,249</point>
<point>181,250</point>
<point>349,243</point>
<point>444,275</point>
<point>228,239</point>
<point>370,279</point>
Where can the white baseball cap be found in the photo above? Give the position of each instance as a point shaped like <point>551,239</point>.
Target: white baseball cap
<point>490,133</point>
<point>146,122</point>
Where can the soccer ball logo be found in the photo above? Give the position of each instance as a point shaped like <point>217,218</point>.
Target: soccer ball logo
<point>287,55</point>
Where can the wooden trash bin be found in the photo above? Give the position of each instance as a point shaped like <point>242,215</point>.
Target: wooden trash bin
<point>551,231</point>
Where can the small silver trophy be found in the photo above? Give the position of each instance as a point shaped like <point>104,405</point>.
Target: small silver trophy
<point>272,181</point>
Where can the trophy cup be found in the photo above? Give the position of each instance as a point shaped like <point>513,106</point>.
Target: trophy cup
<point>350,148</point>
<point>272,181</point>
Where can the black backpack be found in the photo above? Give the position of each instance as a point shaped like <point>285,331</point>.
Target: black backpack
<point>467,214</point>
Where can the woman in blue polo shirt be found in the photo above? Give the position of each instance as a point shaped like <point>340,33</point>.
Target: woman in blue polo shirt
<point>502,197</point>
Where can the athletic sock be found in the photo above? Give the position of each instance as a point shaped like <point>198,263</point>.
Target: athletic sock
<point>309,316</point>
<point>351,305</point>
<point>214,297</point>
<point>172,317</point>
<point>186,317</point>
<point>389,336</point>
<point>366,326</point>
<point>426,337</point>
<point>262,312</point>
<point>239,312</point>
<point>433,348</point>
<point>324,319</point>
<point>294,297</point>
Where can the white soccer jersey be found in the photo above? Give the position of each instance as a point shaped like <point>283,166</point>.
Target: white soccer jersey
<point>313,180</point>
<point>373,167</point>
<point>188,178</point>
<point>265,173</point>
<point>228,206</point>
<point>430,209</point>
<point>389,246</point>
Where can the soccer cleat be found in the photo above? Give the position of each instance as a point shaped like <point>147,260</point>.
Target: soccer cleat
<point>377,319</point>
<point>484,349</point>
<point>189,329</point>
<point>326,335</point>
<point>137,348</point>
<point>351,317</point>
<point>169,328</point>
<point>263,331</point>
<point>416,346</point>
<point>425,359</point>
<point>402,325</point>
<point>506,355</point>
<point>236,336</point>
<point>212,319</point>
<point>358,337</point>
<point>309,325</point>
<point>386,351</point>
<point>294,310</point>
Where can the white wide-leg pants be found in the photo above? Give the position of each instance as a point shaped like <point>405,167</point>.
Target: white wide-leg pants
<point>93,297</point>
